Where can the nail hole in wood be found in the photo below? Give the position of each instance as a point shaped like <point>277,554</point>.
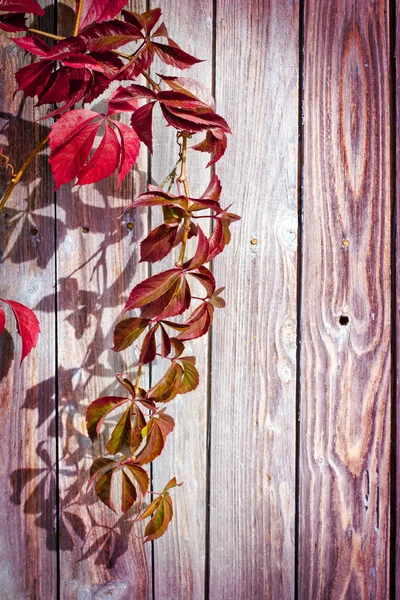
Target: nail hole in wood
<point>345,243</point>
<point>343,320</point>
<point>34,231</point>
<point>130,225</point>
<point>254,241</point>
<point>85,230</point>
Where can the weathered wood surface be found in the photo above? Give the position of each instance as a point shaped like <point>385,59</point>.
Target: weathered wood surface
<point>180,558</point>
<point>96,267</point>
<point>235,439</point>
<point>253,367</point>
<point>27,395</point>
<point>345,431</point>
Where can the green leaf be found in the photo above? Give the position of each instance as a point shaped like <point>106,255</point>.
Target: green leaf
<point>190,379</point>
<point>121,435</point>
<point>127,331</point>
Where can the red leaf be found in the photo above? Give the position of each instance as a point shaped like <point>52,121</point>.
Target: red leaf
<point>194,120</point>
<point>199,323</point>
<point>28,326</point>
<point>130,147</point>
<point>104,160</point>
<point>158,243</point>
<point>190,87</point>
<point>127,331</point>
<point>97,11</point>
<point>181,101</point>
<point>13,22</point>
<point>158,198</point>
<point>165,343</point>
<point>32,44</point>
<point>140,63</point>
<point>102,37</point>
<point>56,89</point>
<point>71,139</point>
<point>175,56</point>
<point>215,143</point>
<point>148,351</point>
<point>214,188</point>
<point>201,255</point>
<point>26,6</point>
<point>206,278</point>
<point>171,304</point>
<point>2,320</point>
<point>141,122</point>
<point>33,78</point>
<point>146,20</point>
<point>152,288</point>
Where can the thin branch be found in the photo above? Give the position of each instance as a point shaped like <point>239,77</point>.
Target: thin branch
<point>78,19</point>
<point>15,180</point>
<point>183,179</point>
<point>53,36</point>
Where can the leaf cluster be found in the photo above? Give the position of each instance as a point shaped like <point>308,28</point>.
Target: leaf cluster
<point>164,312</point>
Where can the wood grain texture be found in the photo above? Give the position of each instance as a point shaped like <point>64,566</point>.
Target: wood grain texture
<point>27,237</point>
<point>345,368</point>
<point>97,264</point>
<point>179,557</point>
<point>253,417</point>
<point>396,495</point>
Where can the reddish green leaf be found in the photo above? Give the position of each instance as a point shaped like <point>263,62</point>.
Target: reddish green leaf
<point>168,387</point>
<point>98,410</point>
<point>139,475</point>
<point>141,122</point>
<point>122,433</point>
<point>127,331</point>
<point>152,288</point>
<point>103,488</point>
<point>129,493</point>
<point>175,56</point>
<point>110,35</point>
<point>165,343</point>
<point>216,300</point>
<point>155,433</point>
<point>190,87</point>
<point>215,144</point>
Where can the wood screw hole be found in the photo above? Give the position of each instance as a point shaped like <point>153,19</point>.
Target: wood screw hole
<point>34,231</point>
<point>130,225</point>
<point>343,320</point>
<point>345,243</point>
<point>254,241</point>
<point>85,230</point>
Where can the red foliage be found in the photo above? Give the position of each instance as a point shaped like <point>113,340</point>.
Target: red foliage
<point>77,69</point>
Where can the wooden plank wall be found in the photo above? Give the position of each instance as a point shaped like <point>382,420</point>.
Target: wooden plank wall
<point>287,448</point>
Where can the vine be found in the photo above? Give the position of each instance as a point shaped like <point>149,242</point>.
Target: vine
<point>76,70</point>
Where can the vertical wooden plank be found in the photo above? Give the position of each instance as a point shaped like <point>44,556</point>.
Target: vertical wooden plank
<point>97,265</point>
<point>345,361</point>
<point>179,557</point>
<point>396,495</point>
<point>253,416</point>
<point>27,394</point>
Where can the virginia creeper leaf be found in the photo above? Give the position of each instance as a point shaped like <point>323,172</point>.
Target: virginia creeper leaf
<point>28,325</point>
<point>2,320</point>
<point>122,433</point>
<point>97,11</point>
<point>129,493</point>
<point>24,6</point>
<point>158,243</point>
<point>98,410</point>
<point>127,331</point>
